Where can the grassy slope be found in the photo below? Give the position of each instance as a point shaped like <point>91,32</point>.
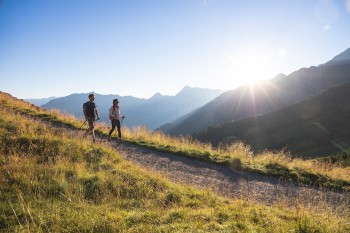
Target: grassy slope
<point>52,180</point>
<point>238,156</point>
<point>326,173</point>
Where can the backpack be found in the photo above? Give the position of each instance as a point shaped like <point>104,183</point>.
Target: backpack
<point>89,109</point>
<point>112,117</point>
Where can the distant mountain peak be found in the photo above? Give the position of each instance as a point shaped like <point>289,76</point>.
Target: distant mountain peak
<point>279,76</point>
<point>157,96</point>
<point>186,88</point>
<point>42,101</point>
<point>344,56</point>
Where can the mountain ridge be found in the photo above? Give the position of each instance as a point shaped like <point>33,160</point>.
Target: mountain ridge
<point>151,112</point>
<point>342,57</point>
<point>317,126</point>
<point>40,101</point>
<point>265,97</point>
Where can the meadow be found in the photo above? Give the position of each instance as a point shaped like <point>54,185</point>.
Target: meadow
<point>55,180</point>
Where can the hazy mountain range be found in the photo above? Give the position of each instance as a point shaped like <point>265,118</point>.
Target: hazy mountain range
<point>152,112</point>
<point>39,102</point>
<point>306,111</point>
<point>319,126</point>
<point>268,96</point>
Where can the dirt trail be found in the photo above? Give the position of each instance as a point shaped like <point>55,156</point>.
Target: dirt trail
<point>221,179</point>
<point>226,181</point>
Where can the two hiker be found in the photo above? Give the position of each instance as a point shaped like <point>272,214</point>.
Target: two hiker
<point>91,115</point>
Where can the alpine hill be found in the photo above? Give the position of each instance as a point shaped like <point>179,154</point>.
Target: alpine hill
<point>317,127</point>
<point>52,179</point>
<point>265,97</point>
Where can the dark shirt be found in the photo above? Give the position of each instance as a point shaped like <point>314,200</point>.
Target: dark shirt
<point>90,108</point>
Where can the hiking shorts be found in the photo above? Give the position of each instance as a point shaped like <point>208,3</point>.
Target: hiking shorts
<point>91,121</point>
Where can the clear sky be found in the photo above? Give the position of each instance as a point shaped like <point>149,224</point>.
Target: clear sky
<point>141,47</point>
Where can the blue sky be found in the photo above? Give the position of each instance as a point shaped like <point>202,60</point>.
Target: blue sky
<point>141,47</point>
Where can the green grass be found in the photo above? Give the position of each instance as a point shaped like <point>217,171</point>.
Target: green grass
<point>323,173</point>
<point>53,180</point>
<point>341,159</point>
<point>241,157</point>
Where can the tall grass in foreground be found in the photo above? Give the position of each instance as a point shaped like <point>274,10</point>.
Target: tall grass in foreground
<point>239,155</point>
<point>54,180</point>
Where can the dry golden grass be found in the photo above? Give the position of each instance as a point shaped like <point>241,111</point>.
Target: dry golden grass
<point>239,151</point>
<point>54,180</point>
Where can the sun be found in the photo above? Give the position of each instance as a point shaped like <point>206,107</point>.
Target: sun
<point>251,67</point>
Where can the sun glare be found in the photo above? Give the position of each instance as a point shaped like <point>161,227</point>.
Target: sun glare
<point>251,67</point>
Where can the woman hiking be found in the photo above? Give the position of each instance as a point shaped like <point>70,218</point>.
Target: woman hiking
<point>115,117</point>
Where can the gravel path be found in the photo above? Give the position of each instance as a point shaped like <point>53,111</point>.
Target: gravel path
<point>228,182</point>
<point>223,180</point>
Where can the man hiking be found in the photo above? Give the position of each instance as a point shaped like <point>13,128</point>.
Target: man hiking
<point>116,118</point>
<point>91,115</point>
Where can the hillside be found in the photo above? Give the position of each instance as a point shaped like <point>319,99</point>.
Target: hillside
<point>264,97</point>
<point>54,180</point>
<point>316,127</point>
<point>152,112</point>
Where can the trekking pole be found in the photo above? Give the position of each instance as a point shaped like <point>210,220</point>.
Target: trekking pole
<point>83,123</point>
<point>86,121</point>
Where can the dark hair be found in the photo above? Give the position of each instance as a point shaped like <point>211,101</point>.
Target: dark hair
<point>115,100</point>
<point>91,95</point>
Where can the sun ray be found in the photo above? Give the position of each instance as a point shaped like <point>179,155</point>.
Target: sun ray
<point>252,65</point>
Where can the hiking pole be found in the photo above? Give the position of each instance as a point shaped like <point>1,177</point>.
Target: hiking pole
<point>86,121</point>
<point>83,123</point>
